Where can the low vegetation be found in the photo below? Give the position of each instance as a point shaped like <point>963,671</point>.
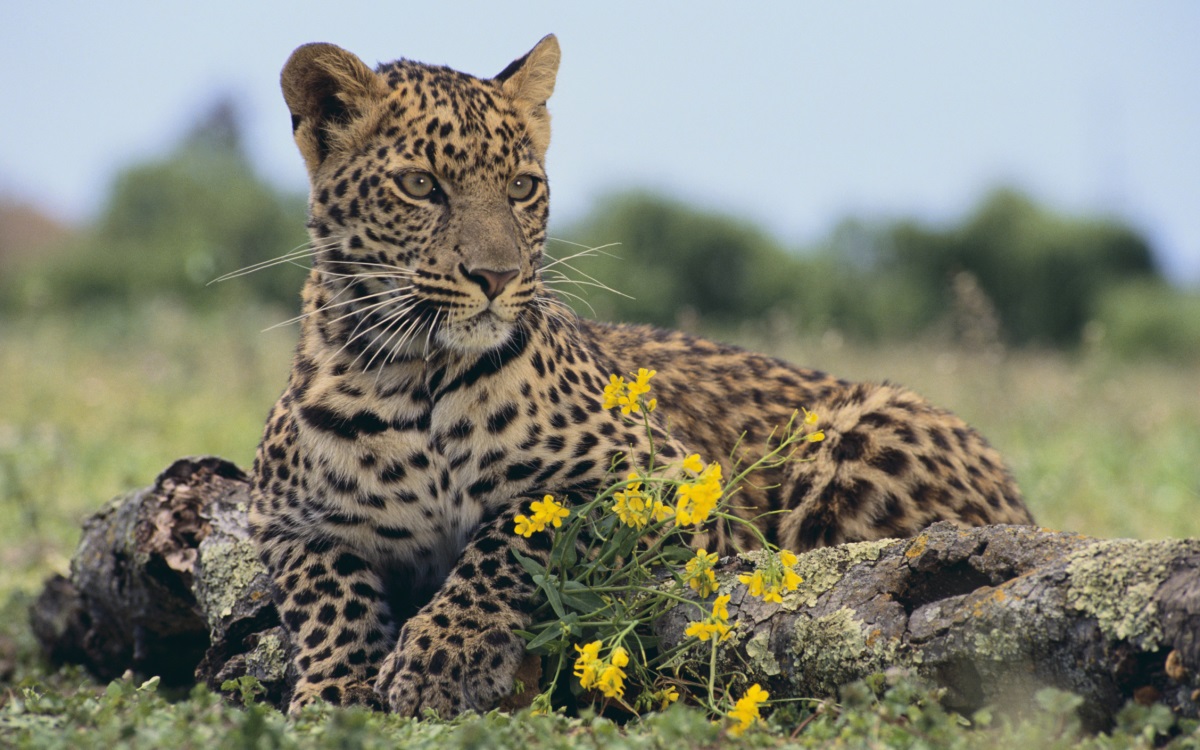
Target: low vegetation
<point>94,405</point>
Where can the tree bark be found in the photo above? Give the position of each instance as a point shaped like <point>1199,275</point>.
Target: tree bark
<point>992,614</point>
<point>166,581</point>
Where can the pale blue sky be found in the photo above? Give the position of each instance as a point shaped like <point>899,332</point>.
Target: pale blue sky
<point>792,115</point>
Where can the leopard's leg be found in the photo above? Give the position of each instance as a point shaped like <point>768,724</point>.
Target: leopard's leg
<point>460,651</point>
<point>333,607</point>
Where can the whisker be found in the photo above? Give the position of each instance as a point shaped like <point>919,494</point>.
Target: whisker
<point>407,333</point>
<point>371,307</point>
<point>564,279</point>
<point>386,322</point>
<point>329,306</point>
<point>391,268</point>
<point>300,251</point>
<point>429,333</point>
<point>591,281</point>
<point>598,248</point>
<point>587,252</point>
<point>304,315</point>
<point>366,276</point>
<point>555,308</point>
<point>582,300</point>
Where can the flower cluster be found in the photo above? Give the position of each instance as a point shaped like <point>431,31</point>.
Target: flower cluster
<point>773,581</point>
<point>810,420</point>
<point>636,507</point>
<point>604,599</point>
<point>628,395</point>
<point>604,675</point>
<point>666,697</point>
<point>546,512</point>
<point>745,711</point>
<point>700,574</point>
<point>697,496</point>
<point>715,625</point>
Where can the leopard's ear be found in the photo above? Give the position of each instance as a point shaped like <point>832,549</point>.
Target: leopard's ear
<point>334,99</point>
<point>529,81</point>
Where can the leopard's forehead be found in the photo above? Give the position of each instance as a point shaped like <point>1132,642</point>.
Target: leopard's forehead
<point>450,122</point>
<point>439,82</point>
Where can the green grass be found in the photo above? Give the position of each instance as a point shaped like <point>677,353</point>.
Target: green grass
<point>91,406</point>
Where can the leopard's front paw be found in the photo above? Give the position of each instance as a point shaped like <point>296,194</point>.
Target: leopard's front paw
<point>449,671</point>
<point>339,694</point>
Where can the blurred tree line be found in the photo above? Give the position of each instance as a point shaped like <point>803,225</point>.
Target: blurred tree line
<point>1011,272</point>
<point>1025,274</point>
<point>169,227</point>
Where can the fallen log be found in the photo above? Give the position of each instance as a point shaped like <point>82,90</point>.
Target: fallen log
<point>166,581</point>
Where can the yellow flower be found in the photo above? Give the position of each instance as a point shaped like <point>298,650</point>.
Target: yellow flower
<point>699,573</point>
<point>605,675</point>
<point>776,579</point>
<point>661,511</point>
<point>613,391</point>
<point>698,498</point>
<point>693,463</point>
<point>715,625</point>
<point>721,608</point>
<point>629,395</point>
<point>815,437</point>
<point>754,582</point>
<point>641,384</point>
<point>629,404</point>
<point>612,681</point>
<point>810,417</point>
<point>666,697</point>
<point>548,512</point>
<point>637,508</point>
<point>588,663</point>
<point>703,630</point>
<point>526,527</point>
<point>632,506</point>
<point>545,512</point>
<point>620,657</point>
<point>745,711</point>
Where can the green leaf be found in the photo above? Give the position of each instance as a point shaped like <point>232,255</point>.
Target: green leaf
<point>531,566</point>
<point>550,633</point>
<point>564,556</point>
<point>577,596</point>
<point>552,596</point>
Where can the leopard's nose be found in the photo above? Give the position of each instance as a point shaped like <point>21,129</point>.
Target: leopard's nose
<point>492,282</point>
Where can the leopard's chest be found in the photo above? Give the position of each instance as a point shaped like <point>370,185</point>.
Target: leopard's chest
<point>410,480</point>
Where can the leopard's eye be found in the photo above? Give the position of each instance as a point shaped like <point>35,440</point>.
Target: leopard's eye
<point>522,187</point>
<point>417,184</point>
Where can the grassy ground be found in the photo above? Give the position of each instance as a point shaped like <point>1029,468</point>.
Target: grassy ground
<point>91,406</point>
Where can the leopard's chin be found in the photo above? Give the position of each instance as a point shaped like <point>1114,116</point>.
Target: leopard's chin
<point>476,335</point>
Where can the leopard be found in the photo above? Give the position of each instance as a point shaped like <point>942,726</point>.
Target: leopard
<point>440,385</point>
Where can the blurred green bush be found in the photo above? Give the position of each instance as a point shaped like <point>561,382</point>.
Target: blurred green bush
<point>1014,270</point>
<point>168,228</point>
<point>1149,319</point>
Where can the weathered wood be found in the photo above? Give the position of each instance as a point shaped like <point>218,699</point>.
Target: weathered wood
<point>166,581</point>
<point>991,613</point>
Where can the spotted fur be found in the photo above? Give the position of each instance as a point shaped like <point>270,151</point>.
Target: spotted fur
<point>439,386</point>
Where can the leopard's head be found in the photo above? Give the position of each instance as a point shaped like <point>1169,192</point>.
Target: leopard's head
<point>428,202</point>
